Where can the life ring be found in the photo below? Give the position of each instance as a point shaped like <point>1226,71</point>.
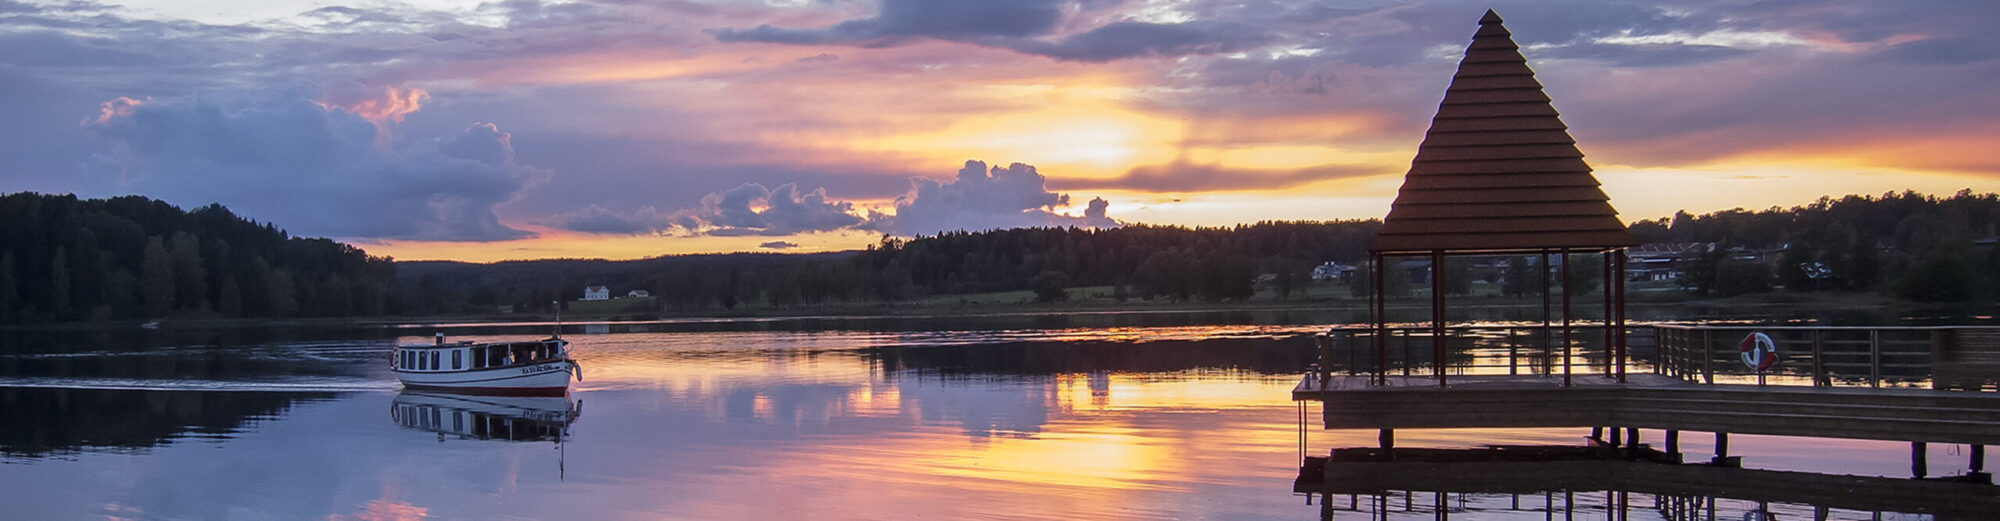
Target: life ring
<point>1758,351</point>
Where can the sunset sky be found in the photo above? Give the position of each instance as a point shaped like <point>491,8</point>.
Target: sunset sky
<point>522,129</point>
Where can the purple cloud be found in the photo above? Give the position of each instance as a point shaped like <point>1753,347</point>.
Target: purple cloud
<point>1024,26</point>
<point>1014,196</point>
<point>978,199</point>
<point>748,209</point>
<point>313,169</point>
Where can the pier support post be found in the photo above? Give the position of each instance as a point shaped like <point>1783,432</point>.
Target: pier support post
<point>1388,441</point>
<point>1722,457</point>
<point>1632,443</point>
<point>1674,445</point>
<point>1919,456</point>
<point>1977,465</point>
<point>1617,438</point>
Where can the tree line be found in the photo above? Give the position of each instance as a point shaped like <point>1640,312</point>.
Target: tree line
<point>1914,246</point>
<point>64,258</point>
<point>1170,262</point>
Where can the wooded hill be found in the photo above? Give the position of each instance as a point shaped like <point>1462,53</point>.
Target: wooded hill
<point>131,257</point>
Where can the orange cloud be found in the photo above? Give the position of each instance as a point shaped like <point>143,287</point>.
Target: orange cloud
<point>117,108</point>
<point>383,110</point>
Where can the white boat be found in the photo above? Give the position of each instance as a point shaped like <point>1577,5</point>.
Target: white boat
<point>530,367</point>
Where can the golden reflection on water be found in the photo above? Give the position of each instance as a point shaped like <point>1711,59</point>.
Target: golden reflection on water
<point>1089,443</point>
<point>384,510</point>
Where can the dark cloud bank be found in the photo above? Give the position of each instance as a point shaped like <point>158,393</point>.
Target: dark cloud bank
<point>1028,26</point>
<point>979,198</point>
<point>313,169</point>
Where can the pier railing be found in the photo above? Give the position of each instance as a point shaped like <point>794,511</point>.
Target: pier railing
<point>1943,357</point>
<point>1479,350</point>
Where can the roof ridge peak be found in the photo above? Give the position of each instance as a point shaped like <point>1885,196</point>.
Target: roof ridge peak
<point>1497,169</point>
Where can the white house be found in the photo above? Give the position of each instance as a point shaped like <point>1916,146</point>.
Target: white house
<point>638,293</point>
<point>1332,271</point>
<point>597,293</point>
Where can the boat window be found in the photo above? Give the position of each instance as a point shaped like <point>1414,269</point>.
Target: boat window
<point>478,357</point>
<point>420,362</point>
<point>457,359</point>
<point>434,360</point>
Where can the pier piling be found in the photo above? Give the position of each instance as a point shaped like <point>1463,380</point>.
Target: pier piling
<point>1919,464</point>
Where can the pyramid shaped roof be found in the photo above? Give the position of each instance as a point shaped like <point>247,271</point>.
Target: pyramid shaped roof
<point>1498,169</point>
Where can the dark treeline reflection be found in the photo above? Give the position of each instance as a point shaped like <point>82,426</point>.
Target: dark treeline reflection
<point>1262,355</point>
<point>205,365</point>
<point>44,421</point>
<point>133,338</point>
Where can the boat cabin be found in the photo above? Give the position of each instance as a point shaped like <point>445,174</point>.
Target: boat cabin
<point>468,356</point>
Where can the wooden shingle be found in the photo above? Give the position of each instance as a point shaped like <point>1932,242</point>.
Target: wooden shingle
<point>1498,169</point>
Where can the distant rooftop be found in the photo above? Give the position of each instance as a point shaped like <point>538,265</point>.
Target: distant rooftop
<point>1498,169</point>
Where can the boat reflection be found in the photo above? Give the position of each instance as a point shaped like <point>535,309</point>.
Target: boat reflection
<point>482,417</point>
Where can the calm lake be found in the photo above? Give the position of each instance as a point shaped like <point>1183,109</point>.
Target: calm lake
<point>1115,416</point>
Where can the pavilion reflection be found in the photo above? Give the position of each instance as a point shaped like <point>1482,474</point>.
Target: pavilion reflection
<point>483,417</point>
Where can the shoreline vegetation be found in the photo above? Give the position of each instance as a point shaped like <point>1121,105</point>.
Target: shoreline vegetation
<point>69,262</point>
<point>1682,305</point>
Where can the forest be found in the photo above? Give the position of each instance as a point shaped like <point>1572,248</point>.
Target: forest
<point>65,259</point>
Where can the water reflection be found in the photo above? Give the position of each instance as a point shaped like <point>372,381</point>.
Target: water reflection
<point>1617,489</point>
<point>38,422</point>
<point>480,417</point>
<point>1077,423</point>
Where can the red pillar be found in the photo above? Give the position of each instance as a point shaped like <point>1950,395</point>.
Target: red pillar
<point>1437,315</point>
<point>1621,316</point>
<point>1610,351</point>
<point>1381,324</point>
<point>1548,336</point>
<point>1566,314</point>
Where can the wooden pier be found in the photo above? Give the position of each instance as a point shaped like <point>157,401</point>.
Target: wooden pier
<point>1844,383</point>
<point>1649,401</point>
<point>1498,175</point>
<point>1676,491</point>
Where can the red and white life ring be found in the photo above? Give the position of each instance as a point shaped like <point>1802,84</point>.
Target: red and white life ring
<point>1758,351</point>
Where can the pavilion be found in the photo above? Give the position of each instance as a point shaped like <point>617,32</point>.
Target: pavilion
<point>1498,173</point>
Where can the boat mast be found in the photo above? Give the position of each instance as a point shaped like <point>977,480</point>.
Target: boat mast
<point>558,305</point>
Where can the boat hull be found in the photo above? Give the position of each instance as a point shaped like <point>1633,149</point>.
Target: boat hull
<point>542,379</point>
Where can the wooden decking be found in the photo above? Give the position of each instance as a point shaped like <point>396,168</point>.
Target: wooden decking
<point>1649,401</point>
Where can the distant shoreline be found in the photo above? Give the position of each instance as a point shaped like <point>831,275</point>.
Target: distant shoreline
<point>943,307</point>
